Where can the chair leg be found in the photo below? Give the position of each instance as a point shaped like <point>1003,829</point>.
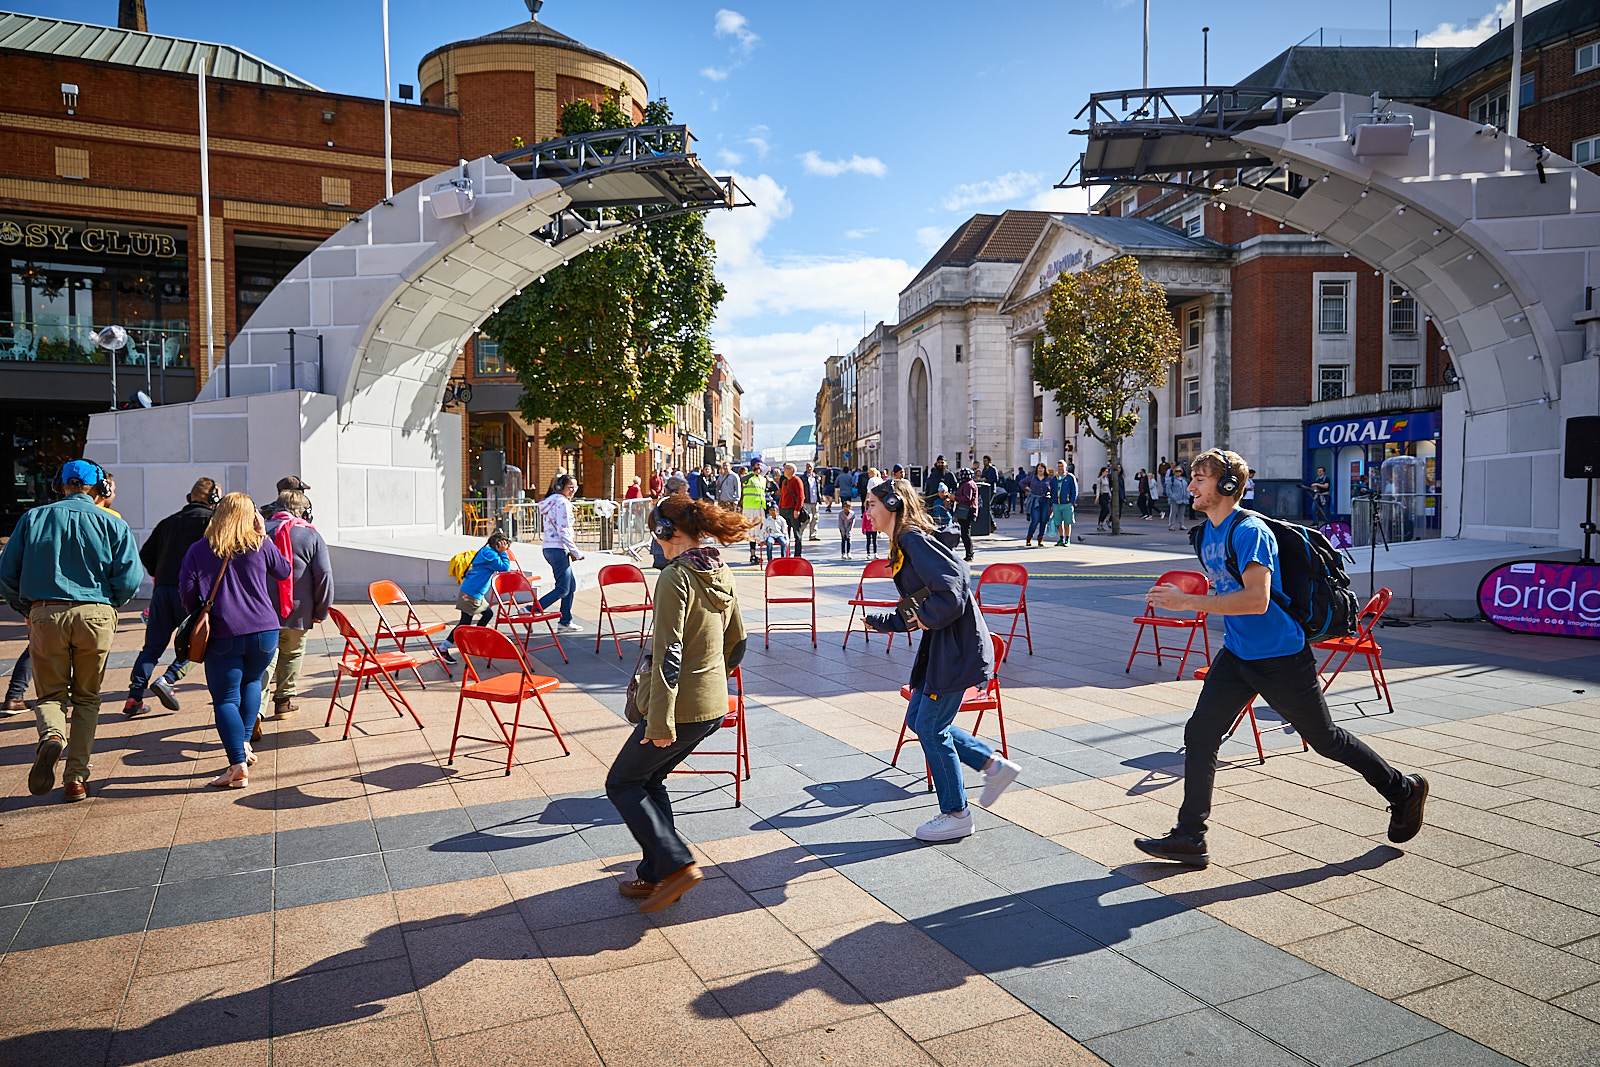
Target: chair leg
<point>1342,663</point>
<point>744,740</point>
<point>511,738</point>
<point>1375,665</point>
<point>1205,635</point>
<point>1184,661</point>
<point>565,751</point>
<point>1155,632</point>
<point>599,626</point>
<point>849,628</point>
<point>350,713</point>
<point>1027,624</point>
<point>1138,637</point>
<point>455,731</point>
<point>1000,715</point>
<point>813,618</point>
<point>554,637</point>
<point>898,745</point>
<point>439,659</point>
<point>333,701</point>
<point>1255,728</point>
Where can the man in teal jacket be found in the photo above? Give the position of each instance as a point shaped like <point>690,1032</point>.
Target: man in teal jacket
<point>68,567</point>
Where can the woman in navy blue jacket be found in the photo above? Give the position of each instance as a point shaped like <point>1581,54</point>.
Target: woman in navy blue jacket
<point>954,656</point>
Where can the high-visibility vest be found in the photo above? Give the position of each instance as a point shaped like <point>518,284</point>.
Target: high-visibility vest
<point>755,492</point>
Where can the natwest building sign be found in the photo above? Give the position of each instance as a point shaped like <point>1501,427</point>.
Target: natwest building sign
<point>1373,429</point>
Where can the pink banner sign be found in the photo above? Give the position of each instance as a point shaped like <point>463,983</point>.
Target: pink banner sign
<point>1539,597</point>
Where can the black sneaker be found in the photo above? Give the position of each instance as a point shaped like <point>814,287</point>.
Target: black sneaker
<point>1178,846</point>
<point>42,778</point>
<point>134,708</point>
<point>1405,818</point>
<point>163,691</point>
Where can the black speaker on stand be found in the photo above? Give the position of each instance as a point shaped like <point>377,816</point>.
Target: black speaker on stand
<point>1582,456</point>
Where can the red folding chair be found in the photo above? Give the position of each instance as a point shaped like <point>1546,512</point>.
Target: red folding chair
<point>1255,728</point>
<point>623,574</point>
<point>360,663</point>
<point>875,570</point>
<point>1008,574</point>
<point>387,594</point>
<point>512,687</point>
<point>510,612</point>
<point>1362,643</point>
<point>740,751</point>
<point>979,700</point>
<point>1195,584</point>
<point>790,567</point>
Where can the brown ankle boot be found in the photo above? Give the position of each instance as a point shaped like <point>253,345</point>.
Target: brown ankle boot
<point>282,709</point>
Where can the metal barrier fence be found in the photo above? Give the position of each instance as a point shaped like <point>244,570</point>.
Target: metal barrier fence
<point>604,524</point>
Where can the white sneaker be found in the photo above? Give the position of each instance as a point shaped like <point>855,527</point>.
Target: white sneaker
<point>1000,773</point>
<point>568,628</point>
<point>946,827</point>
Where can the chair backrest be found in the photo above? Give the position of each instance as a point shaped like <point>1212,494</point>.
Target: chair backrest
<point>1004,574</point>
<point>620,574</point>
<point>1372,611</point>
<point>999,644</point>
<point>386,592</point>
<point>354,644</point>
<point>472,512</point>
<point>732,718</point>
<point>878,568</point>
<point>488,645</point>
<point>509,583</point>
<point>1191,582</point>
<point>791,567</point>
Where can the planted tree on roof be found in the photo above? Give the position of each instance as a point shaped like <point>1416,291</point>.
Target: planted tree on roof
<point>605,346</point>
<point>1111,340</point>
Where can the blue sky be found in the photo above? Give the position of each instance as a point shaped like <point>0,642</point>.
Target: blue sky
<point>865,130</point>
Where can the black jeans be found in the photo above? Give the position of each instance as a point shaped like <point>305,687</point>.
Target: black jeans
<point>797,533</point>
<point>1105,509</point>
<point>1290,684</point>
<point>166,615</point>
<point>635,785</point>
<point>966,537</point>
<point>21,675</point>
<point>468,618</point>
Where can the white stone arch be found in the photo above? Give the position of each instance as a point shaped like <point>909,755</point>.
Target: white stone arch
<point>919,410</point>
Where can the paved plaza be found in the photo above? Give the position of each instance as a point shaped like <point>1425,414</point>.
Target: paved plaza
<point>363,902</point>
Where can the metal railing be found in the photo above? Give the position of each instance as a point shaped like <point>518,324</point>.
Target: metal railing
<point>45,341</point>
<point>606,525</point>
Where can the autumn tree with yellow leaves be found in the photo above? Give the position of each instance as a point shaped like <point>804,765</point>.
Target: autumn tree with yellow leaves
<point>1111,340</point>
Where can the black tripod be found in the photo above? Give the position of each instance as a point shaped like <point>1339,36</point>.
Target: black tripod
<point>1589,529</point>
<point>1376,533</point>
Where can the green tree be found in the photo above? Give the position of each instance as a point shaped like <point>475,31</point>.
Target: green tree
<point>608,344</point>
<point>1110,341</point>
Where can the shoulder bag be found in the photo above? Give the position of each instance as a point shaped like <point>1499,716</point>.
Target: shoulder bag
<point>194,633</point>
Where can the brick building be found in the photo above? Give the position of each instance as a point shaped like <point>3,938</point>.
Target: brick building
<point>100,211</point>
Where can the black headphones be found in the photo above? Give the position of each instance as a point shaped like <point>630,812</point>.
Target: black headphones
<point>662,527</point>
<point>214,497</point>
<point>885,492</point>
<point>59,484</point>
<point>1229,483</point>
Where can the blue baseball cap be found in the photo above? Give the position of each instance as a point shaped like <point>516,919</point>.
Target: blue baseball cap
<point>81,470</point>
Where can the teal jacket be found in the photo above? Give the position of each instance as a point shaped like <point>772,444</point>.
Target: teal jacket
<point>70,550</point>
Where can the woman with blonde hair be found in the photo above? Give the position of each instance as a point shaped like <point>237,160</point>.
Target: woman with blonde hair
<point>955,655</point>
<point>237,568</point>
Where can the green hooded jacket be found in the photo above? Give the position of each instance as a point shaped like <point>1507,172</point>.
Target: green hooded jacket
<point>698,640</point>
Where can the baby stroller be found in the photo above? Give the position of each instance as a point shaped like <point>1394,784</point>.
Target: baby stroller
<point>1000,504</point>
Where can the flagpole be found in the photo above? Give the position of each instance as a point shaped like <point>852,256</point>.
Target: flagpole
<point>1514,102</point>
<point>205,218</point>
<point>388,144</point>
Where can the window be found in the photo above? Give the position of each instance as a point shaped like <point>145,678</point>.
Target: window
<point>1194,225</point>
<point>486,356</point>
<point>1331,381</point>
<point>1588,57</point>
<point>1191,396</point>
<point>1402,312</point>
<point>1333,317</point>
<point>336,192</point>
<point>1586,151</point>
<point>1403,377</point>
<point>1194,327</point>
<point>958,353</point>
<point>1493,105</point>
<point>72,162</point>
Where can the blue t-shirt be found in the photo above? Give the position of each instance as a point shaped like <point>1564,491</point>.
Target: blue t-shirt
<point>1272,633</point>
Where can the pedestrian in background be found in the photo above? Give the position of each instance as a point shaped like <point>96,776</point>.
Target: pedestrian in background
<point>1177,496</point>
<point>774,533</point>
<point>237,569</point>
<point>869,532</point>
<point>698,639</point>
<point>67,567</point>
<point>1102,495</point>
<point>955,655</point>
<point>162,556</point>
<point>303,599</point>
<point>561,551</point>
<point>847,526</point>
<point>472,599</point>
<point>730,490</point>
<point>634,490</point>
<point>966,509</point>
<point>792,506</point>
<point>21,677</point>
<point>753,506</point>
<point>1142,481</point>
<point>1064,512</point>
<point>812,504</point>
<point>1041,491</point>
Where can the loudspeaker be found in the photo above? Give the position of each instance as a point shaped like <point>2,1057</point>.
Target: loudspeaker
<point>1583,447</point>
<point>492,467</point>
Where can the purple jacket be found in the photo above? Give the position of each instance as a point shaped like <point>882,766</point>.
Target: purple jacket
<point>247,601</point>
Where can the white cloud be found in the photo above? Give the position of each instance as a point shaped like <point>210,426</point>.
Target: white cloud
<point>1074,199</point>
<point>832,168</point>
<point>856,235</point>
<point>759,138</point>
<point>1012,186</point>
<point>729,158</point>
<point>714,74</point>
<point>732,24</point>
<point>1468,34</point>
<point>931,237</point>
<point>780,372</point>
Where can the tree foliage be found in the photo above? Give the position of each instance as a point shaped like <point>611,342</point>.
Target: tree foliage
<point>1111,340</point>
<point>609,343</point>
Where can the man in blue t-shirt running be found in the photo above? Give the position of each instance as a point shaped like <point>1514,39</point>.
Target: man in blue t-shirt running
<point>1264,654</point>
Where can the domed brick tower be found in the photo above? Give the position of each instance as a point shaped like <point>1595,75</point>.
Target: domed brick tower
<point>514,83</point>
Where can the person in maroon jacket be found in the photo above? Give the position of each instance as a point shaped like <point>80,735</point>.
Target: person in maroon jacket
<point>792,506</point>
<point>244,620</point>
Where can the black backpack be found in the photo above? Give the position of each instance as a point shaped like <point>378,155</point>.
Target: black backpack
<point>1316,591</point>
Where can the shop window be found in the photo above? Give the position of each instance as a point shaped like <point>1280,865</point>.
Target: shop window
<point>1194,225</point>
<point>486,357</point>
<point>1402,311</point>
<point>1191,396</point>
<point>1333,307</point>
<point>1330,381</point>
<point>1403,377</point>
<point>1194,327</point>
<point>1493,106</point>
<point>1586,151</point>
<point>1588,57</point>
<point>72,163</point>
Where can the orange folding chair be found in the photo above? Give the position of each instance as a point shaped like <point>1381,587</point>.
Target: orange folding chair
<point>1008,574</point>
<point>875,570</point>
<point>360,663</point>
<point>790,567</point>
<point>981,701</point>
<point>1363,643</point>
<point>1195,584</point>
<point>740,751</point>
<point>476,524</point>
<point>1255,728</point>
<point>387,594</point>
<point>510,612</point>
<point>623,574</point>
<point>512,687</point>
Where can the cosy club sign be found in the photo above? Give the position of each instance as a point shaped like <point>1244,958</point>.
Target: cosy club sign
<point>99,240</point>
<point>1540,597</point>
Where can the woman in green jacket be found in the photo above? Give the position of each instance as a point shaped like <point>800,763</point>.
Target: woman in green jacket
<point>698,639</point>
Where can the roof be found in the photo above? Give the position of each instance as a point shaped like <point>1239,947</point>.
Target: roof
<point>1409,74</point>
<point>534,32</point>
<point>1561,19</point>
<point>1004,238</point>
<point>1136,234</point>
<point>805,435</point>
<point>131,48</point>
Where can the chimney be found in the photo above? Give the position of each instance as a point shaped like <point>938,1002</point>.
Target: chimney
<point>130,16</point>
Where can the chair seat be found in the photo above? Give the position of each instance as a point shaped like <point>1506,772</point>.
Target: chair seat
<point>625,607</point>
<point>1001,609</point>
<point>1162,620</point>
<point>972,700</point>
<point>873,603</point>
<point>508,688</point>
<point>389,661</point>
<point>1349,644</point>
<point>789,600</point>
<point>530,616</point>
<point>418,631</point>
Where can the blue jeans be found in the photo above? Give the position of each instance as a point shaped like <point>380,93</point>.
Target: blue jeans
<point>566,586</point>
<point>166,615</point>
<point>1038,517</point>
<point>234,666</point>
<point>945,746</point>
